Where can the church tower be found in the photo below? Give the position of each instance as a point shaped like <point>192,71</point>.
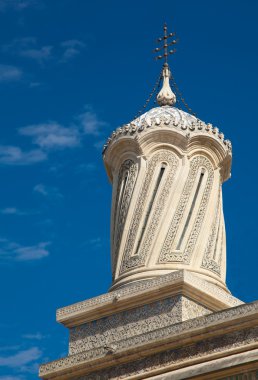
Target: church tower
<point>167,169</point>
<point>168,313</point>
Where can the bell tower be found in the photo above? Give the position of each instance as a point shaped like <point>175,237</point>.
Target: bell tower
<point>167,168</point>
<point>168,314</point>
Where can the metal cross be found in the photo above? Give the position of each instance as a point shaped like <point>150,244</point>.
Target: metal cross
<point>166,44</point>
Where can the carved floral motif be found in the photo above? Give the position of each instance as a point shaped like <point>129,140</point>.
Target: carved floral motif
<point>208,261</point>
<point>173,118</point>
<point>168,358</point>
<point>131,260</point>
<point>129,323</point>
<point>168,254</point>
<point>203,348</point>
<point>151,284</point>
<point>131,168</point>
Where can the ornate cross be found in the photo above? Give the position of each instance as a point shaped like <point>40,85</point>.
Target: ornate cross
<point>165,45</point>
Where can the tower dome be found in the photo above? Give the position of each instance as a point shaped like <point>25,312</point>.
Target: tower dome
<point>167,168</point>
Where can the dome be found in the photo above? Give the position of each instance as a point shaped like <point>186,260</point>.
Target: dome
<point>168,117</point>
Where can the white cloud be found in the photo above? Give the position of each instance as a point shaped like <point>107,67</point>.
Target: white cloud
<point>21,358</point>
<point>13,251</point>
<point>52,135</point>
<point>71,49</point>
<point>9,73</point>
<point>28,47</point>
<point>41,54</point>
<point>13,155</point>
<point>34,252</point>
<point>90,123</point>
<point>48,191</point>
<point>11,211</point>
<point>19,5</point>
<point>37,336</point>
<point>11,378</point>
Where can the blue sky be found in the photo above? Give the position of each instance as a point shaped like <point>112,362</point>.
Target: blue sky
<point>71,71</point>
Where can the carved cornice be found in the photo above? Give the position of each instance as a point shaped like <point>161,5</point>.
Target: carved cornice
<point>171,127</point>
<point>179,282</point>
<point>169,117</point>
<point>215,325</point>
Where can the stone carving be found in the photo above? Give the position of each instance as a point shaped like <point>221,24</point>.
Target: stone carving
<point>152,284</point>
<point>168,254</point>
<point>130,259</point>
<point>239,338</point>
<point>174,357</point>
<point>131,168</point>
<point>250,375</point>
<point>208,261</point>
<point>172,117</point>
<point>133,322</point>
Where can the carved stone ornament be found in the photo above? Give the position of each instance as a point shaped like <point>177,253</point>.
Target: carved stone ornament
<point>130,259</point>
<point>122,205</point>
<point>167,253</point>
<point>172,118</point>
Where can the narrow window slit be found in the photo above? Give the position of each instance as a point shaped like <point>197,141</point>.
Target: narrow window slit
<point>191,210</point>
<point>120,199</point>
<point>147,215</point>
<point>123,188</point>
<point>216,244</point>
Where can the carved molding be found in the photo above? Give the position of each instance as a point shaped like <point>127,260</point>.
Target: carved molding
<point>173,333</point>
<point>126,324</point>
<point>129,259</point>
<point>168,254</point>
<point>208,261</point>
<point>120,215</point>
<point>173,358</point>
<point>170,117</point>
<point>140,291</point>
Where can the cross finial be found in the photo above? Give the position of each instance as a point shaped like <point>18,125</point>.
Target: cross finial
<point>166,44</point>
<point>166,97</point>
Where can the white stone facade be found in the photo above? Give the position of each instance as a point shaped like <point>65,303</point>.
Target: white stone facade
<point>167,168</point>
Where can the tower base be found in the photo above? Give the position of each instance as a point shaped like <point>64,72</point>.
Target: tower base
<point>177,326</point>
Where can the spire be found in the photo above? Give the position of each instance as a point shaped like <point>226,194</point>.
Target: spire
<point>166,97</point>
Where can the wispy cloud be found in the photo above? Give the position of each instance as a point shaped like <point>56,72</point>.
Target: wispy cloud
<point>13,155</point>
<point>19,5</point>
<point>28,47</point>
<point>11,211</point>
<point>36,336</point>
<point>94,243</point>
<point>21,358</point>
<point>52,135</point>
<point>10,73</point>
<point>86,167</point>
<point>71,48</point>
<point>48,191</point>
<point>90,122</point>
<point>10,250</point>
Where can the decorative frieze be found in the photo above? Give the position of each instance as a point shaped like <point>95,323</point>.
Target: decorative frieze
<point>141,290</point>
<point>124,325</point>
<point>133,259</point>
<point>168,251</point>
<point>126,178</point>
<point>164,361</point>
<point>170,117</point>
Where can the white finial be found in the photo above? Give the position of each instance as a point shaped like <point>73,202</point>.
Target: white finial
<point>166,97</point>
